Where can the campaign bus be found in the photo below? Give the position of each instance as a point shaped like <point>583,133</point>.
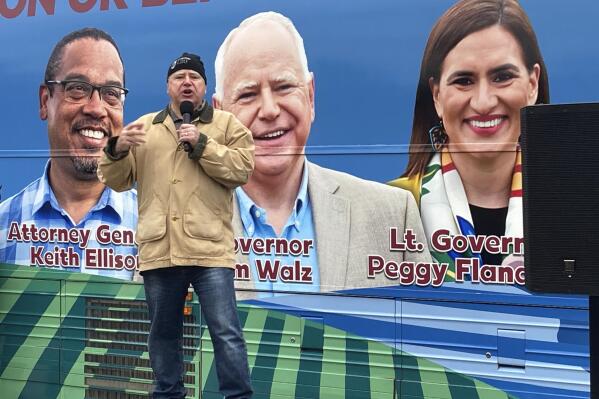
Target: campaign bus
<point>390,128</point>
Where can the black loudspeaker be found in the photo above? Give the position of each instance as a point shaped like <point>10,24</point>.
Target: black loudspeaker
<point>560,172</point>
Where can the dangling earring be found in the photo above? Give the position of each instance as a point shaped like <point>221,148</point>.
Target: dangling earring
<point>437,136</point>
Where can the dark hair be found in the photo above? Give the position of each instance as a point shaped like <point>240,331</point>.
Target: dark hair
<point>55,60</point>
<point>462,19</point>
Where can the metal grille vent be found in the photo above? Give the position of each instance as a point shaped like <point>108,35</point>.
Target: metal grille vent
<point>122,327</point>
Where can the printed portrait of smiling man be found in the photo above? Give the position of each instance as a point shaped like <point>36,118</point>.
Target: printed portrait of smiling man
<point>79,126</point>
<point>262,77</point>
<point>81,99</point>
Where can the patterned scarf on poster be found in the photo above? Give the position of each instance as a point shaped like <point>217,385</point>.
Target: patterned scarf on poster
<point>444,206</point>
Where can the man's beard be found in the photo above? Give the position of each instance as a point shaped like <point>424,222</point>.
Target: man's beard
<point>85,167</point>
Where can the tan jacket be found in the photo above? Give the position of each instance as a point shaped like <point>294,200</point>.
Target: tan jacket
<point>185,205</point>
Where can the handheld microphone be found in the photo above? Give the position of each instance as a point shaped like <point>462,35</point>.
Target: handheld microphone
<point>186,109</point>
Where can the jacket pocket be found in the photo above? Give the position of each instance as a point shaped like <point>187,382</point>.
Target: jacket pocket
<point>151,225</point>
<point>201,220</point>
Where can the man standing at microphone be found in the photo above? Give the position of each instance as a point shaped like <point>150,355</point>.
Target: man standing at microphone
<point>186,160</point>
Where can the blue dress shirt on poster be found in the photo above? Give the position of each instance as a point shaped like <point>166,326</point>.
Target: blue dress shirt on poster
<point>299,226</point>
<point>36,231</point>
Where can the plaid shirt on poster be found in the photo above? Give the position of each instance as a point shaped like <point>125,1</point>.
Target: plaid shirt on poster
<point>99,244</point>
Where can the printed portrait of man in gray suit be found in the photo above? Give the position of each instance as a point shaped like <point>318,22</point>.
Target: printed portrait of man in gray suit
<point>301,227</point>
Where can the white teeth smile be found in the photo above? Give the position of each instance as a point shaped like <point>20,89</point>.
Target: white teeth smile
<point>273,135</point>
<point>94,134</point>
<point>486,124</point>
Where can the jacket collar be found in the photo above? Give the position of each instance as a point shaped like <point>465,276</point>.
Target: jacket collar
<point>204,114</point>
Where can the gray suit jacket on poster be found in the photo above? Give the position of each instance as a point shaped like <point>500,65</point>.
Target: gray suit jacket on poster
<point>352,218</point>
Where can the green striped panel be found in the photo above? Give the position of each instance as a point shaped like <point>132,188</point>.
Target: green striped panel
<point>382,382</point>
<point>349,366</point>
<point>357,377</point>
<point>432,381</point>
<point>309,370</point>
<point>69,309</point>
<point>333,363</point>
<point>287,359</point>
<point>28,330</point>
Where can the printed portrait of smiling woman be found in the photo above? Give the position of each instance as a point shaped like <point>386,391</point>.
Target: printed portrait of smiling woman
<point>481,65</point>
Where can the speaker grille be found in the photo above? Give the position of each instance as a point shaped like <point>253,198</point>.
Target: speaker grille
<point>560,165</point>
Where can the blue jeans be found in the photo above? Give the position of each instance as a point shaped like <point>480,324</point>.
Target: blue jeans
<point>165,294</point>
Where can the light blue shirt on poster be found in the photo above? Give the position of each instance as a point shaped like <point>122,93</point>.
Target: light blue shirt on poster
<point>35,230</point>
<point>299,226</point>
